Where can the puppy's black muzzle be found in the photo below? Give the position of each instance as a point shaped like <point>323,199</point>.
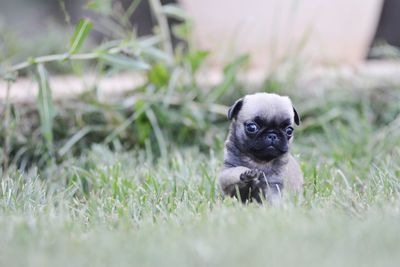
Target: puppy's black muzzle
<point>272,139</point>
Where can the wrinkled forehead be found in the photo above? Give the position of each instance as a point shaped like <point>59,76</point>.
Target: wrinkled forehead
<point>268,107</point>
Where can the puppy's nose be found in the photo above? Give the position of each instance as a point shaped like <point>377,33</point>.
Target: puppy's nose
<point>272,137</point>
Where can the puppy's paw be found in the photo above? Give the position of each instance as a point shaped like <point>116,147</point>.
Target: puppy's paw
<point>250,175</point>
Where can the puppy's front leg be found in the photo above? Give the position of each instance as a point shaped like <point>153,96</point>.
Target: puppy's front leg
<point>241,180</point>
<point>229,179</point>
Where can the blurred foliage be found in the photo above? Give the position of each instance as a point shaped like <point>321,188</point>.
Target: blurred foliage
<point>170,108</point>
<point>382,50</point>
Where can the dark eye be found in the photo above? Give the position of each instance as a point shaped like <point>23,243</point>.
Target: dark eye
<point>289,131</point>
<point>251,127</point>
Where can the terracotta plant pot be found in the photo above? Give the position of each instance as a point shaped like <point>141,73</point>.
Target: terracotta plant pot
<point>337,32</point>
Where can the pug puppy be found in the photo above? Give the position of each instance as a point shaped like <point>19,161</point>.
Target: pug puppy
<point>257,162</point>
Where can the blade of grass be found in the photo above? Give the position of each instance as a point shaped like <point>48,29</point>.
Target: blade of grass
<point>45,106</point>
<point>73,140</point>
<point>82,31</point>
<point>125,62</point>
<point>157,131</point>
<point>157,54</point>
<point>162,22</point>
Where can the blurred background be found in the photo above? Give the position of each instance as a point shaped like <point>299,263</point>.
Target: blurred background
<point>153,74</point>
<point>341,32</point>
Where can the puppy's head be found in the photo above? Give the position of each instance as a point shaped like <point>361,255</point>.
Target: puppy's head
<point>262,125</point>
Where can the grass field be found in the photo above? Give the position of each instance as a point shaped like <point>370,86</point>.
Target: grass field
<point>124,208</point>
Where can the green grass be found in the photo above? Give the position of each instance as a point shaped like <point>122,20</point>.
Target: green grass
<point>126,208</point>
<point>134,183</point>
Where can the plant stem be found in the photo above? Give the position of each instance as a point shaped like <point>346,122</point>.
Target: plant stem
<point>164,27</point>
<point>50,58</point>
<point>61,57</point>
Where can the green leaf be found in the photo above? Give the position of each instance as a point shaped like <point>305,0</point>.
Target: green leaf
<point>196,58</point>
<point>125,62</point>
<point>183,30</point>
<point>159,75</point>
<point>148,41</point>
<point>81,32</point>
<point>174,11</point>
<point>142,124</point>
<point>45,105</point>
<point>157,54</point>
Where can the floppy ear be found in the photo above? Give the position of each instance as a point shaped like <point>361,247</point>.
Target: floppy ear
<point>296,116</point>
<point>235,108</point>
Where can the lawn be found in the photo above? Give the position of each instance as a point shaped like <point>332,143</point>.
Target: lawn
<point>133,181</point>
<point>128,207</point>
